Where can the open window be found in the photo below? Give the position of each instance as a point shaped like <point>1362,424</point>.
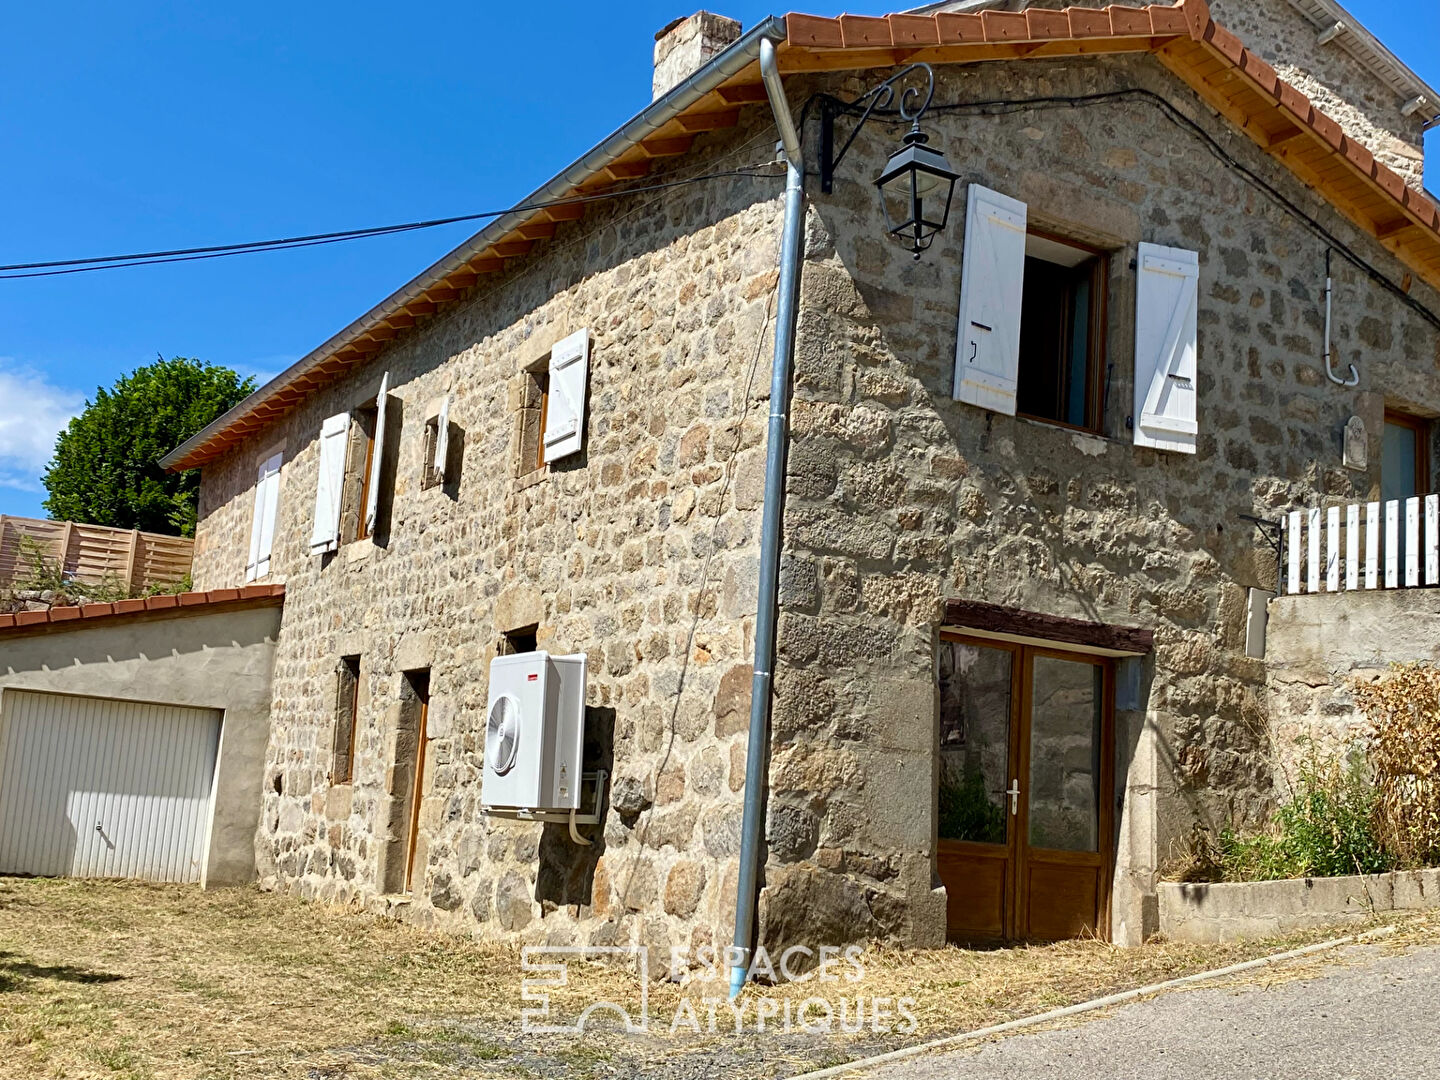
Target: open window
<point>437,447</point>
<point>1062,332</point>
<point>352,471</point>
<point>534,406</point>
<point>1031,337</point>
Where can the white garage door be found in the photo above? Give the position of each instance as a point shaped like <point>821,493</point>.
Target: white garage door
<point>91,787</point>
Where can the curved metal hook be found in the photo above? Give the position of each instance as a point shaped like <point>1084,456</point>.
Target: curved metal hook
<point>911,93</point>
<point>881,97</point>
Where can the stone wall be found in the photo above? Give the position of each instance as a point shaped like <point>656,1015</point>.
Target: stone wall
<point>640,552</point>
<point>900,497</point>
<point>1366,107</point>
<point>1315,644</point>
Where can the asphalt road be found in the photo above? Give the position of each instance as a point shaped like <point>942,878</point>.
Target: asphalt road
<point>1372,1015</point>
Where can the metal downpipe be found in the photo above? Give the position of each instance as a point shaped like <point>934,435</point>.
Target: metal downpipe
<point>777,445</point>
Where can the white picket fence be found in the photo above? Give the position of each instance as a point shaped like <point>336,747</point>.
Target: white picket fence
<point>1354,556</point>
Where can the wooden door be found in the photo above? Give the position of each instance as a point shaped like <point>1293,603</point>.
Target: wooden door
<point>1026,782</point>
<point>417,793</point>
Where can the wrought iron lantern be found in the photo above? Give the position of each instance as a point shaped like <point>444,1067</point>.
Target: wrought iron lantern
<point>917,183</point>
<point>915,191</point>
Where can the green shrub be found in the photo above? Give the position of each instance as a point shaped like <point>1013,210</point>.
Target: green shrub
<point>1326,829</point>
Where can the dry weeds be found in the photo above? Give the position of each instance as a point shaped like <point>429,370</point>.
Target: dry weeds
<point>134,981</point>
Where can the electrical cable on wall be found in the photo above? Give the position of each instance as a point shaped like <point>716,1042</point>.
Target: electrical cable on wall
<point>1001,106</point>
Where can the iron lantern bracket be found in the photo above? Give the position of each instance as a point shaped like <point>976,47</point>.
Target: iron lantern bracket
<point>876,99</point>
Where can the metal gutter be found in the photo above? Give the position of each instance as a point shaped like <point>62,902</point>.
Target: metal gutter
<point>777,445</point>
<point>1329,17</point>
<point>719,70</point>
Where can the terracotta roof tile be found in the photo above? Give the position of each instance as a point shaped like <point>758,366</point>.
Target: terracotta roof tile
<point>865,31</point>
<point>143,605</point>
<point>1183,36</point>
<point>1005,25</point>
<point>1047,24</point>
<point>1089,22</point>
<point>956,28</point>
<point>914,30</point>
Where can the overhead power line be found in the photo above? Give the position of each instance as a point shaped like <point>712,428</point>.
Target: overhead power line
<point>220,251</point>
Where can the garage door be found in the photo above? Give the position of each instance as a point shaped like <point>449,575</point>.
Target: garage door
<point>91,787</point>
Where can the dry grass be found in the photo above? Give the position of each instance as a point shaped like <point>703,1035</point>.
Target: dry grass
<point>133,981</point>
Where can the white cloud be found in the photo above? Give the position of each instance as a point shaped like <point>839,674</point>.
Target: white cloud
<point>32,412</point>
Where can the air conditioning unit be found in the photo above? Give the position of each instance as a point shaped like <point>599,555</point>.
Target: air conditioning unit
<point>534,733</point>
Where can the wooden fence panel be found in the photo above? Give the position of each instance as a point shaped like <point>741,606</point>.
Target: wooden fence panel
<point>92,554</point>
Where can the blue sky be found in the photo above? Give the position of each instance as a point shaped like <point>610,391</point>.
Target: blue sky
<point>131,127</point>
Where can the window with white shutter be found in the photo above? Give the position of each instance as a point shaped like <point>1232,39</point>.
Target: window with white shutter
<point>442,439</point>
<point>992,284</point>
<point>330,485</point>
<point>1166,348</point>
<point>564,431</point>
<point>377,460</point>
<point>262,524</point>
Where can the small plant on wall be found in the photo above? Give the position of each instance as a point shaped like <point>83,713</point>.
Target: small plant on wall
<point>1371,806</point>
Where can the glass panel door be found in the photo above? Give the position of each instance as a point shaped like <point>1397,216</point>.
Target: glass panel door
<point>975,706</point>
<point>977,781</point>
<point>1064,789</point>
<point>1063,863</point>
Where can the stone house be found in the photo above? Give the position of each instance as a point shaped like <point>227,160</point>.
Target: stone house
<point>1019,560</point>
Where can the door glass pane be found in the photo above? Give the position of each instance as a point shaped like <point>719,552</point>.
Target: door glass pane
<point>1397,464</point>
<point>974,741</point>
<point>1064,788</point>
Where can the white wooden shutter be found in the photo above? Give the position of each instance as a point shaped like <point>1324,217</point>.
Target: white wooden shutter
<point>1166,348</point>
<point>331,484</point>
<point>442,439</point>
<point>565,411</point>
<point>262,525</point>
<point>377,457</point>
<point>987,348</point>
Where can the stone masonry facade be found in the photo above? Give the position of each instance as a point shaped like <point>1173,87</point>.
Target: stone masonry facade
<point>1350,93</point>
<point>642,552</point>
<point>900,498</point>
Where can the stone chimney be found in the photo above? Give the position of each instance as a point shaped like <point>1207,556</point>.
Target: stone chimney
<point>687,45</point>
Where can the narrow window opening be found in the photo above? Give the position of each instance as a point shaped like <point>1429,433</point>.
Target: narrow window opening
<point>1062,332</point>
<point>363,461</point>
<point>534,405</point>
<point>522,640</point>
<point>347,713</point>
<point>416,699</point>
<point>429,476</point>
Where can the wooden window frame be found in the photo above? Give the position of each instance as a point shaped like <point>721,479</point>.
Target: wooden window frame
<point>367,417</point>
<point>530,420</point>
<point>347,720</point>
<point>1421,427</point>
<point>1097,347</point>
<point>419,683</point>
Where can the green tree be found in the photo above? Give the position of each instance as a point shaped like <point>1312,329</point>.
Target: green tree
<point>106,467</point>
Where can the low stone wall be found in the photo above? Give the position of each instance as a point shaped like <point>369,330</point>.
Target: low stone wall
<point>1236,911</point>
